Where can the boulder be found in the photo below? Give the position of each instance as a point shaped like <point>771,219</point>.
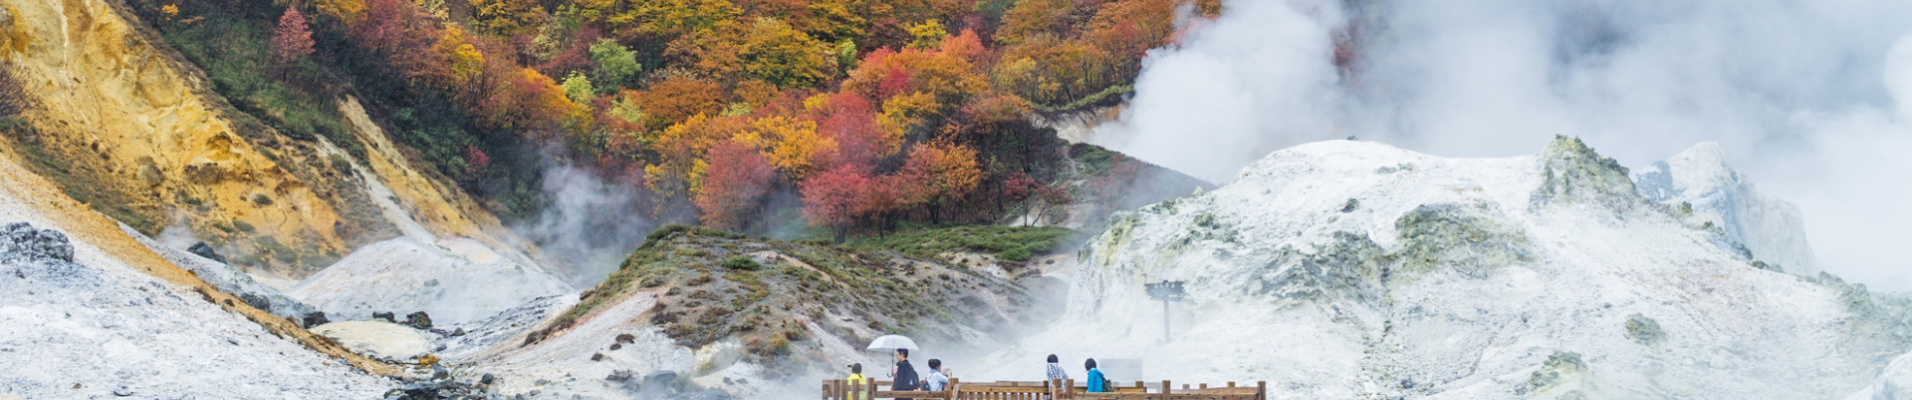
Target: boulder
<point>315,318</point>
<point>663,382</point>
<point>21,240</point>
<point>257,301</point>
<point>1644,330</point>
<point>204,250</point>
<point>419,320</point>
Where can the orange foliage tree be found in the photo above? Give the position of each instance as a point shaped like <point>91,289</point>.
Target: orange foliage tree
<point>936,174</point>
<point>676,99</point>
<point>524,99</point>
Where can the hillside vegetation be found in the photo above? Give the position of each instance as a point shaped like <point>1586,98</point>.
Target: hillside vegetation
<point>1006,243</point>
<point>786,301</point>
<point>745,115</point>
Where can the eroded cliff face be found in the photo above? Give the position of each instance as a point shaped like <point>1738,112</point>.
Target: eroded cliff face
<point>431,200</point>
<point>126,126</point>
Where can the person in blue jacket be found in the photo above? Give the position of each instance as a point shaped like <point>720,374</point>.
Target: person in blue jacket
<point>1097,383</point>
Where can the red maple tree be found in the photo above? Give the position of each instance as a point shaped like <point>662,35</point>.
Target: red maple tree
<point>852,124</point>
<point>734,183</point>
<point>835,198</point>
<point>293,39</point>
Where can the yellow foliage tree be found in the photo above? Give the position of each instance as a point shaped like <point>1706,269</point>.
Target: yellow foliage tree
<point>672,18</point>
<point>509,17</point>
<point>927,34</point>
<point>790,144</point>
<point>465,59</point>
<point>349,11</point>
<point>901,114</point>
<point>789,58</point>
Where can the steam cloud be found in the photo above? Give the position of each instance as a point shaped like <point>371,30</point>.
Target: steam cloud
<point>1812,99</point>
<point>590,226</point>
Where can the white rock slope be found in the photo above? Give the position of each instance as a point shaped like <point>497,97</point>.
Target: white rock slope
<point>455,281</point>
<point>75,323</point>
<point>1344,270</point>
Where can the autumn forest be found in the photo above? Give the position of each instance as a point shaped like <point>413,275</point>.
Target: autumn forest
<point>843,115</point>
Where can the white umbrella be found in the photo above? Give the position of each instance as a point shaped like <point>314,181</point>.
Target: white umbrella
<point>891,343</point>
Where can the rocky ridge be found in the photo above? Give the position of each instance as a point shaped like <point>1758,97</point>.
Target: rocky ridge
<point>1348,269</point>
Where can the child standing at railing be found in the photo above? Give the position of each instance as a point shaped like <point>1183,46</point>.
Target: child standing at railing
<point>856,380</point>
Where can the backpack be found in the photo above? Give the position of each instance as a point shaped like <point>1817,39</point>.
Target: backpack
<point>906,379</point>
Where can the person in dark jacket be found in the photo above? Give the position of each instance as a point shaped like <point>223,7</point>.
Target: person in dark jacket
<point>904,376</point>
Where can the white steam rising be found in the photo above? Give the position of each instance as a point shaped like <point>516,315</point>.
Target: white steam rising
<point>1812,99</point>
<point>590,226</point>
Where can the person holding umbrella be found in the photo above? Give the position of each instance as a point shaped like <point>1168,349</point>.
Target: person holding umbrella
<point>904,376</point>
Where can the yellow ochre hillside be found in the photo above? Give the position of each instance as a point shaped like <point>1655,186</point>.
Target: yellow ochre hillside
<point>129,128</point>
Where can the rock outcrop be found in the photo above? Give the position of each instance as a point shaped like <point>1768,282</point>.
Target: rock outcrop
<point>1700,183</point>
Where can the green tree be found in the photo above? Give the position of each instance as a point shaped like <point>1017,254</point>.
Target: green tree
<point>578,88</point>
<point>616,64</point>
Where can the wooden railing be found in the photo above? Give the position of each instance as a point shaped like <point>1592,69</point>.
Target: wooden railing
<point>1056,390</point>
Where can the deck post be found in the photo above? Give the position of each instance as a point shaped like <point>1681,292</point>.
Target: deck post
<point>1231,383</point>
<point>1068,388</point>
<point>872,384</point>
<point>1261,390</point>
<point>1166,390</point>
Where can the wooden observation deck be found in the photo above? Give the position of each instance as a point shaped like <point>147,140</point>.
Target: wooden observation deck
<point>1056,390</point>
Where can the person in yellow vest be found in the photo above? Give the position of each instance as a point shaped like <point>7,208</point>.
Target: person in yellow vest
<point>857,382</point>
